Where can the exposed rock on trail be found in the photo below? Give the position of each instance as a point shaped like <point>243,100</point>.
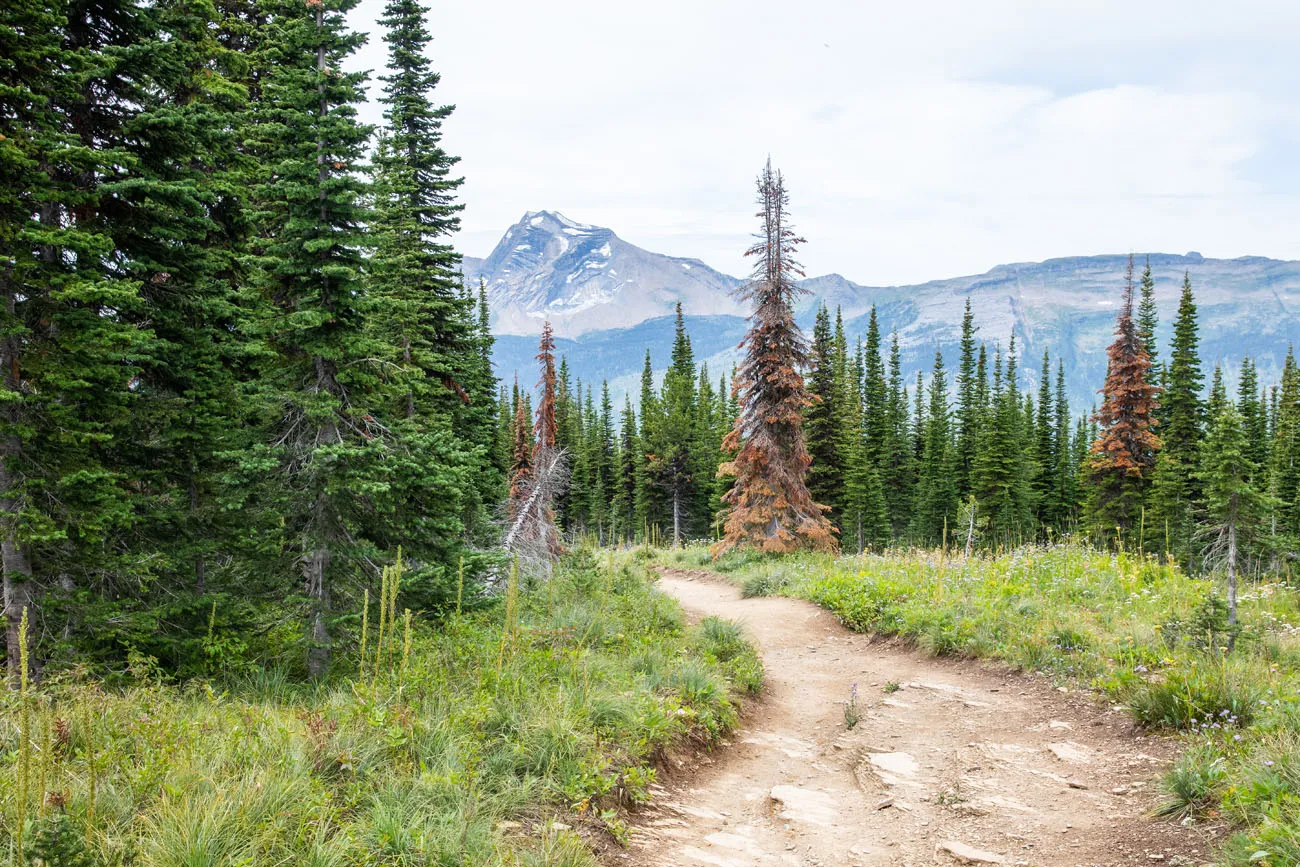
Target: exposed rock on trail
<point>963,765</point>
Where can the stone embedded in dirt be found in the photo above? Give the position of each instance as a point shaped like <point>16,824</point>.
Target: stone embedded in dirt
<point>804,805</point>
<point>897,764</point>
<point>1059,724</point>
<point>1069,751</point>
<point>968,854</point>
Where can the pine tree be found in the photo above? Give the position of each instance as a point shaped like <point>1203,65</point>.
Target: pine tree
<point>1235,508</point>
<point>672,437</point>
<point>323,403</point>
<point>1254,419</point>
<point>865,517</point>
<point>67,359</point>
<point>1066,470</point>
<point>1176,486</point>
<point>969,410</point>
<point>875,396</point>
<point>1001,480</point>
<point>1285,452</point>
<point>1044,468</point>
<point>770,506</point>
<point>1124,453</point>
<point>898,469</point>
<point>936,495</point>
<point>649,502</point>
<point>826,473</point>
<point>625,496</point>
<point>1148,318</point>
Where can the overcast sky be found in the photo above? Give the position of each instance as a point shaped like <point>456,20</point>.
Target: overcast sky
<point>918,139</point>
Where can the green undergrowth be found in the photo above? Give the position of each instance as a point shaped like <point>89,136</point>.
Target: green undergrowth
<point>483,740</point>
<point>1144,634</point>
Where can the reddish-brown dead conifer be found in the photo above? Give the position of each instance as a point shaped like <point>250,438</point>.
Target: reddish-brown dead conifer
<point>1124,453</point>
<point>769,505</point>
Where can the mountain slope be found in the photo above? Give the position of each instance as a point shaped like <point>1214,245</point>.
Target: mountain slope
<point>585,278</point>
<point>548,266</point>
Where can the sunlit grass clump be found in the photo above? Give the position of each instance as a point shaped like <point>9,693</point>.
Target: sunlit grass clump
<point>485,739</point>
<point>1143,633</point>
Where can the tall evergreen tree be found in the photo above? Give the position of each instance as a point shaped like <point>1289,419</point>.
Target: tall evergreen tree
<point>671,439</point>
<point>822,420</point>
<point>1176,486</point>
<point>969,410</point>
<point>1148,318</point>
<point>1235,508</point>
<point>1124,453</point>
<point>1044,467</point>
<point>322,402</point>
<point>936,494</point>
<point>771,509</point>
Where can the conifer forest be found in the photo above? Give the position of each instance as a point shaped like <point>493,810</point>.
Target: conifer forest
<point>293,574</point>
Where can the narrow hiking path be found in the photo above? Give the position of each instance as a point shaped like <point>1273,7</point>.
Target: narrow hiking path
<point>962,764</point>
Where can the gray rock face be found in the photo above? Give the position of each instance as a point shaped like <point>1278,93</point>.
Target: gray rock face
<point>609,294</point>
<point>585,278</point>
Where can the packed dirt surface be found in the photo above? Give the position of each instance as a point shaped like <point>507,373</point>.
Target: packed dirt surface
<point>950,762</point>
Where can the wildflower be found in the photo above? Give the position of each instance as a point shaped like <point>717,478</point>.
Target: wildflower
<point>1268,763</point>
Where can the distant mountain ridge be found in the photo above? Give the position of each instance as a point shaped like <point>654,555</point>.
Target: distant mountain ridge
<point>585,278</point>
<point>611,300</point>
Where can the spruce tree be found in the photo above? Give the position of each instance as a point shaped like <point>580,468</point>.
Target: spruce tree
<point>1254,420</point>
<point>826,473</point>
<point>770,507</point>
<point>969,410</point>
<point>1044,466</point>
<point>1123,455</point>
<point>1235,509</point>
<point>1285,453</point>
<point>625,493</point>
<point>1066,468</point>
<point>327,463</point>
<point>670,444</point>
<point>936,494</point>
<point>898,469</point>
<point>1148,317</point>
<point>1176,486</point>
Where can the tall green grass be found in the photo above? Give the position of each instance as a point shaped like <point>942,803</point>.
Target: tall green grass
<point>1141,632</point>
<point>469,743</point>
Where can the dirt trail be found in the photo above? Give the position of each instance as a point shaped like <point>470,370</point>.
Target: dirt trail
<point>962,764</point>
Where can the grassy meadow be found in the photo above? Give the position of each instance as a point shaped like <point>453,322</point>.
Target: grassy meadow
<point>513,735</point>
<point>1141,633</point>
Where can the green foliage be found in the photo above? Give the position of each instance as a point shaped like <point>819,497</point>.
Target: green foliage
<point>1139,630</point>
<point>420,761</point>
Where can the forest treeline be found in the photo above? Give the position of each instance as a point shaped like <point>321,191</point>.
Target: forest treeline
<point>241,373</point>
<point>968,453</point>
<point>239,367</point>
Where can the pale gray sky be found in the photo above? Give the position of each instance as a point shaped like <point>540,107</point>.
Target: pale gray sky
<point>919,139</point>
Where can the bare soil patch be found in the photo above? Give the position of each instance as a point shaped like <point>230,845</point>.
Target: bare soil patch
<point>962,763</point>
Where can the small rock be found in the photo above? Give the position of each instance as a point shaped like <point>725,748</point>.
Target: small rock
<point>1075,784</point>
<point>968,854</point>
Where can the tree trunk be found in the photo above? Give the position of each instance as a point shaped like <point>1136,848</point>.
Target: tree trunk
<point>315,564</point>
<point>1232,582</point>
<point>14,561</point>
<point>677,518</point>
<point>18,597</point>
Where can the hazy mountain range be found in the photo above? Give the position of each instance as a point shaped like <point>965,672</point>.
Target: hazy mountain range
<point>610,300</point>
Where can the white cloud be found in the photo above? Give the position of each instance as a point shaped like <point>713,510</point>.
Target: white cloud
<point>919,140</point>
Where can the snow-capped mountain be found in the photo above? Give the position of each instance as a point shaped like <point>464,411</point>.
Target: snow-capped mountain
<point>585,278</point>
<point>611,300</point>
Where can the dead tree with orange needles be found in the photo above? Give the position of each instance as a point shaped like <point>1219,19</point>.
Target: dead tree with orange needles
<point>1124,454</point>
<point>769,507</point>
